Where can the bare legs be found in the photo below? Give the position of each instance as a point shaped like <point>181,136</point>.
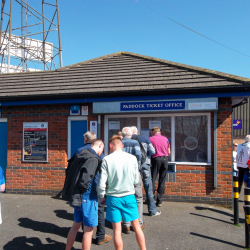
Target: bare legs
<point>139,234</point>
<point>72,235</point>
<point>117,228</point>
<point>87,238</point>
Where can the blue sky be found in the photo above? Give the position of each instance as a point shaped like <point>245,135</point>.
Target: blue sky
<point>93,28</point>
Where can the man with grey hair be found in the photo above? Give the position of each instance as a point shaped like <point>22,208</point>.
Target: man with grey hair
<point>132,147</point>
<point>145,170</point>
<point>88,138</point>
<point>243,154</point>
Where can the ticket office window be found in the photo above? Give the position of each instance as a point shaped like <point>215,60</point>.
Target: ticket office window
<point>117,124</point>
<point>191,139</point>
<point>164,123</point>
<point>189,134</point>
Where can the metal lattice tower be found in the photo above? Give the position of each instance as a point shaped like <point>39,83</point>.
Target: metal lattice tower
<point>27,47</point>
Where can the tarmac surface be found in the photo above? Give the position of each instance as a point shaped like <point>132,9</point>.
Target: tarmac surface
<point>33,222</point>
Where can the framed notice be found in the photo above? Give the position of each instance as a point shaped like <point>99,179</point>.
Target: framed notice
<point>114,125</point>
<point>93,127</point>
<point>85,110</point>
<point>154,124</point>
<point>35,141</point>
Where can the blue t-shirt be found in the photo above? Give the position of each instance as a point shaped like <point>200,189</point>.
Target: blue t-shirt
<point>2,180</point>
<point>247,178</point>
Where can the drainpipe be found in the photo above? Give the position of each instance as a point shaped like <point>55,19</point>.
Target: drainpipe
<point>215,149</point>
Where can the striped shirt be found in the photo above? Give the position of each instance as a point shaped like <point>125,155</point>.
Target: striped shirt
<point>132,147</point>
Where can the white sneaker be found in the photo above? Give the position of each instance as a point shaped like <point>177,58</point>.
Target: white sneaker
<point>157,213</point>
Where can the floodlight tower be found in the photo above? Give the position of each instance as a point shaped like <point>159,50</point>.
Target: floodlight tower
<point>27,44</point>
<point>24,31</point>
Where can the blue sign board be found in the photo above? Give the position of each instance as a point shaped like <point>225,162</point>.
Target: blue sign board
<point>75,110</point>
<point>157,105</point>
<point>237,124</point>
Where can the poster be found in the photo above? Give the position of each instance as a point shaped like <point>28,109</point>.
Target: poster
<point>85,110</point>
<point>93,127</point>
<point>35,141</point>
<point>154,124</point>
<point>114,125</point>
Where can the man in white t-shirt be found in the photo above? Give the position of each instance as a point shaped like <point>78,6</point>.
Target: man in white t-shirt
<point>243,155</point>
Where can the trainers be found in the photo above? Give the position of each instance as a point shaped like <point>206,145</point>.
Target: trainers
<point>106,239</point>
<point>159,204</point>
<point>125,230</point>
<point>157,213</point>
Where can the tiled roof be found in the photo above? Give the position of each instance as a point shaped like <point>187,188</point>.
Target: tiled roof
<point>116,74</point>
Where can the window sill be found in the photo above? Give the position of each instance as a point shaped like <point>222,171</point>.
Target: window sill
<point>191,163</point>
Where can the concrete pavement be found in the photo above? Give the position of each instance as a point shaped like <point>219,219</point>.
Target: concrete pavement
<point>40,222</point>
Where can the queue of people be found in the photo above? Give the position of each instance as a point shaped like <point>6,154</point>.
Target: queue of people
<point>93,181</point>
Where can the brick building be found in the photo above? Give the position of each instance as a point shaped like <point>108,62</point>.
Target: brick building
<point>44,114</point>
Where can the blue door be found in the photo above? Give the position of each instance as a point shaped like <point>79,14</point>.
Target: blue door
<point>78,128</point>
<point>3,146</point>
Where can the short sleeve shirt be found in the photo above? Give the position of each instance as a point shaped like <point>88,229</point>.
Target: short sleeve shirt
<point>161,145</point>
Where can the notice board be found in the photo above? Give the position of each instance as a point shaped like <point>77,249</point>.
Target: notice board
<point>35,141</point>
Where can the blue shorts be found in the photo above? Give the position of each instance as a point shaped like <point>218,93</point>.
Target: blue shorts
<point>125,206</point>
<point>87,213</point>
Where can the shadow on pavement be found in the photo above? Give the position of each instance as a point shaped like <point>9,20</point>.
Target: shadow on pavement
<point>63,214</point>
<point>214,239</point>
<point>214,210</point>
<point>211,218</point>
<point>45,227</point>
<point>220,212</point>
<point>24,243</point>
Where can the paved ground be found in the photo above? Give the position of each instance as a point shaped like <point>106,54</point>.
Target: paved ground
<point>41,222</point>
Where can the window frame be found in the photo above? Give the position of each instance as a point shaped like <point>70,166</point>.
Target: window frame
<point>139,116</point>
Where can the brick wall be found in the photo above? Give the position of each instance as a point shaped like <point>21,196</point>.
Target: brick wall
<point>37,178</point>
<point>196,183</point>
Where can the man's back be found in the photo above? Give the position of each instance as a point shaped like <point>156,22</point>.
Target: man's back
<point>120,169</point>
<point>147,145</point>
<point>161,145</point>
<point>132,147</point>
